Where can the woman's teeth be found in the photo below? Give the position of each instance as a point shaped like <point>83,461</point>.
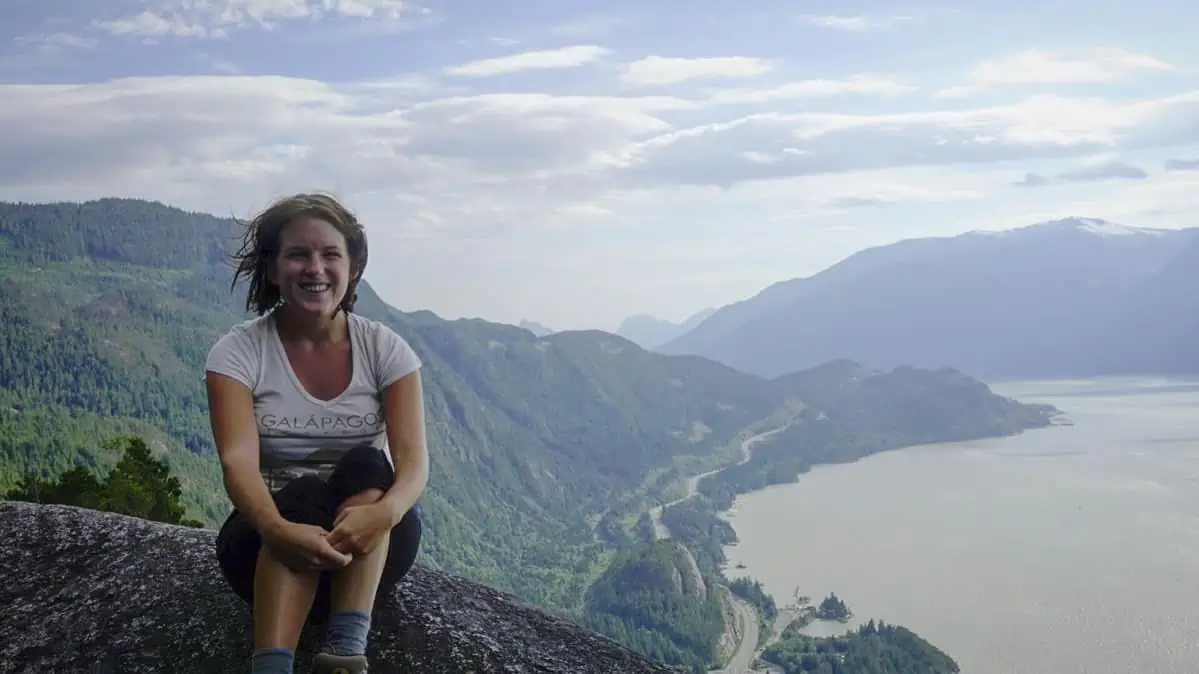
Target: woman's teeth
<point>314,287</point>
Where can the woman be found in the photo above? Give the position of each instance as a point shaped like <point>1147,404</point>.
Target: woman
<point>318,420</point>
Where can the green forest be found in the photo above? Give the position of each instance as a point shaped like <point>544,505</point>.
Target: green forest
<point>546,452</point>
<point>874,648</point>
<point>649,598</point>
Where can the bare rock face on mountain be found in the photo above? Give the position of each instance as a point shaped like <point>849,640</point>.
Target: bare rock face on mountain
<point>88,591</point>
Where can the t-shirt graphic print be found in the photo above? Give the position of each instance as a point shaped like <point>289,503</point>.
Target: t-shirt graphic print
<point>298,433</point>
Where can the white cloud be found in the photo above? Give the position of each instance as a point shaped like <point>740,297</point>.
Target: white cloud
<point>1036,66</point>
<point>857,23</point>
<point>56,41</point>
<point>550,59</point>
<point>1182,165</point>
<point>812,143</point>
<point>202,19</point>
<point>659,70</point>
<point>857,84</point>
<point>498,160</point>
<point>42,49</point>
<point>1104,166</point>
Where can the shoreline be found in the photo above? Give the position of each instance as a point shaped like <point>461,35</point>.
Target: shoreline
<point>795,609</point>
<point>789,612</point>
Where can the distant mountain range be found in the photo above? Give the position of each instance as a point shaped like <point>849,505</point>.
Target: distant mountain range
<point>642,329</point>
<point>536,328</point>
<point>1071,297</point>
<point>649,331</point>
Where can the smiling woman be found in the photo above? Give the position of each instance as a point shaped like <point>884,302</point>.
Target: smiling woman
<point>318,419</point>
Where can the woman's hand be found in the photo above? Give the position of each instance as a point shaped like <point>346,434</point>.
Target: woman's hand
<point>359,529</point>
<point>305,547</point>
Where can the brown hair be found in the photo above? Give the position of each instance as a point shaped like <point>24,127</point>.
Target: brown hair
<point>260,244</point>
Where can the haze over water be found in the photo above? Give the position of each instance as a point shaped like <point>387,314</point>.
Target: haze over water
<point>1068,549</point>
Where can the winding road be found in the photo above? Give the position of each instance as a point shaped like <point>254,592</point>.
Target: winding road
<point>745,615</point>
<point>747,647</point>
<point>660,530</point>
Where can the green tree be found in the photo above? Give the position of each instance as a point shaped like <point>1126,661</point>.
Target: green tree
<point>139,485</point>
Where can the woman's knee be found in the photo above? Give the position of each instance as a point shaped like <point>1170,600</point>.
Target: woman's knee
<point>368,496</point>
<point>306,500</point>
<point>359,470</point>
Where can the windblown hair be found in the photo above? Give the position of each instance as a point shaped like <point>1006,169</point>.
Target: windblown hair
<point>260,245</point>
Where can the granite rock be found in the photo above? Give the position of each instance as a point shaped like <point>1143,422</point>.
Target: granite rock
<point>92,592</point>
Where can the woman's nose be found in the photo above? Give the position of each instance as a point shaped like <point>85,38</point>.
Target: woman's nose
<point>314,262</point>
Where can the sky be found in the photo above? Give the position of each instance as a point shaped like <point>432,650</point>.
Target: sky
<point>574,162</point>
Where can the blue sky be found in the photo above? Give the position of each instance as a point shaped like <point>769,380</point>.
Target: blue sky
<point>576,162</point>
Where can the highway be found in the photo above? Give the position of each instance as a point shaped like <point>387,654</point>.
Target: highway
<point>744,614</point>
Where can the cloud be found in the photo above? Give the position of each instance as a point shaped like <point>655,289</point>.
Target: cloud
<point>659,70</point>
<point>43,49</point>
<point>1105,170</point>
<point>198,19</point>
<point>1035,66</point>
<point>1182,165</point>
<point>813,143</point>
<point>1101,167</point>
<point>1032,180</point>
<point>857,24</point>
<point>856,84</point>
<point>56,41</point>
<point>221,143</point>
<point>445,159</point>
<point>550,59</point>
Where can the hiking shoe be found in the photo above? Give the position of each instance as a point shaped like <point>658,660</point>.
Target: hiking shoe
<point>327,663</point>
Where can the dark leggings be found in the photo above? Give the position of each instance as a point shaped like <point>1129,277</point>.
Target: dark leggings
<point>310,500</point>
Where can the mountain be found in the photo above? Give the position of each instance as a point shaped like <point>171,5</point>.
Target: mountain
<point>546,452</point>
<point>536,328</point>
<point>110,308</point>
<point>994,304</point>
<point>1155,329</point>
<point>649,332</point>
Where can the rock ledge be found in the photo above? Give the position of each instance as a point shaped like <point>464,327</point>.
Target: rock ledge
<point>89,591</point>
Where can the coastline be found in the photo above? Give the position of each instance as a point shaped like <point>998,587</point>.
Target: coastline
<point>799,603</point>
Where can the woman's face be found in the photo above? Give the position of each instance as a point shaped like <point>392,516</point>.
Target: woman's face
<point>312,267</point>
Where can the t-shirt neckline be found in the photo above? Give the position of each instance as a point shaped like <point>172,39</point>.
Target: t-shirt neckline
<point>295,379</point>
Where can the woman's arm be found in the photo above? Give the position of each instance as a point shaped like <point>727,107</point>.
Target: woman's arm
<point>231,413</point>
<point>404,412</point>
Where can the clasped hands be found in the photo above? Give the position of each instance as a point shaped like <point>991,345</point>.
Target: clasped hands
<point>357,531</point>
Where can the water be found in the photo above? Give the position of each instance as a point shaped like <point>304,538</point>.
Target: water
<point>1062,550</point>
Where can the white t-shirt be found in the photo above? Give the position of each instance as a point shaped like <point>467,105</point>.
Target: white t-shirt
<point>298,433</point>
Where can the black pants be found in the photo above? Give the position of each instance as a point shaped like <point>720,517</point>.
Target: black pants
<point>310,500</point>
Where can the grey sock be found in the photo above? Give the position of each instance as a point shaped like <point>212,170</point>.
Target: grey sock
<point>273,661</point>
<point>346,633</point>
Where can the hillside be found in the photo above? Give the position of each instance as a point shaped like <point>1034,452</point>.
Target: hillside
<point>112,305</point>
<point>653,599</point>
<point>546,452</point>
<point>992,304</point>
